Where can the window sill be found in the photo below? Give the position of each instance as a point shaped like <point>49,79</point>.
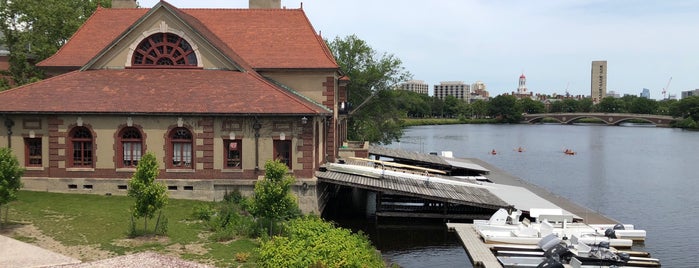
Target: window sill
<point>34,168</point>
<point>176,170</point>
<point>130,170</point>
<point>80,169</point>
<point>232,170</point>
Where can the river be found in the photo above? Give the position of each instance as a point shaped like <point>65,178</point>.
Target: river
<point>641,175</point>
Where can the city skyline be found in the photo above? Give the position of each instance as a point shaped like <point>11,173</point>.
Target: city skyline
<point>551,42</point>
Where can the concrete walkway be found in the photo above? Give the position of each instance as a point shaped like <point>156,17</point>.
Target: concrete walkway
<point>14,253</point>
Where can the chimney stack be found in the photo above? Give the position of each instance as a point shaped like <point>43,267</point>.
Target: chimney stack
<point>268,4</point>
<point>124,4</point>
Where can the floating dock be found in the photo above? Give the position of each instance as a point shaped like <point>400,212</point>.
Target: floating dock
<point>480,254</point>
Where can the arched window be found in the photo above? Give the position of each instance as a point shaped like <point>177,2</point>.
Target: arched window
<point>164,50</point>
<point>131,142</point>
<point>181,146</point>
<point>81,149</point>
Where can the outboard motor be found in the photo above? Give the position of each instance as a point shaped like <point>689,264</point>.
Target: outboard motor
<point>623,256</point>
<point>619,226</point>
<point>610,233</point>
<point>550,263</point>
<point>603,244</point>
<point>559,252</point>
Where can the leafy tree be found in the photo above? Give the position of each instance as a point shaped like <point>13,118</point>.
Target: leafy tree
<point>452,105</point>
<point>643,106</point>
<point>374,118</point>
<point>610,105</point>
<point>527,105</point>
<point>35,30</point>
<point>479,108</point>
<point>273,199</point>
<point>585,105</point>
<point>503,108</point>
<point>10,178</point>
<point>150,195</point>
<point>311,242</point>
<point>412,104</point>
<point>686,108</point>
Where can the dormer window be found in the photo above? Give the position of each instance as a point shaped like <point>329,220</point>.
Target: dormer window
<point>164,50</point>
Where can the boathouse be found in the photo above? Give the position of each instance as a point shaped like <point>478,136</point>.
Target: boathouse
<point>213,93</point>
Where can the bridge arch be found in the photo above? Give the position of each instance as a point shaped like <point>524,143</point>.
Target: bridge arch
<point>607,118</point>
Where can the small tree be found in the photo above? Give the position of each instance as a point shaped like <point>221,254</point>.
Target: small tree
<point>10,178</point>
<point>150,196</point>
<point>272,199</point>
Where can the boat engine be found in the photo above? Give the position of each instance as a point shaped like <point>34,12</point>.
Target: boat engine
<point>550,263</point>
<point>610,233</point>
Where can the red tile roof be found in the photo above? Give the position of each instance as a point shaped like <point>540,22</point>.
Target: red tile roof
<point>156,91</point>
<point>265,38</point>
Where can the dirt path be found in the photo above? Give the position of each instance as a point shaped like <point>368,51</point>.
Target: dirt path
<point>29,233</point>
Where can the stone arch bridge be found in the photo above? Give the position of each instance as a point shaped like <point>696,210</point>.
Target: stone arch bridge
<point>608,118</point>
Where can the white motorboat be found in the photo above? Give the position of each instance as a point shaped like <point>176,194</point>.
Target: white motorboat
<point>504,227</point>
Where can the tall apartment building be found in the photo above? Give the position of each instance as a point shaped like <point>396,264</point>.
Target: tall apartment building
<point>479,88</point>
<point>598,84</point>
<point>458,89</point>
<point>645,93</point>
<point>690,93</point>
<point>418,86</point>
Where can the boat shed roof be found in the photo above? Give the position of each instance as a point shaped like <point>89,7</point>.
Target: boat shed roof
<point>427,160</point>
<point>458,193</point>
<point>523,199</point>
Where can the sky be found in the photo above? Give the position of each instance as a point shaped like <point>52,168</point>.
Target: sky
<point>646,43</point>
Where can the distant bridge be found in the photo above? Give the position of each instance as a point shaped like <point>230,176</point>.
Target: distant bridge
<point>608,118</point>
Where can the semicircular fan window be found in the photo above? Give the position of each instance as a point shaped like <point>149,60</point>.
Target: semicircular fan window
<point>164,50</point>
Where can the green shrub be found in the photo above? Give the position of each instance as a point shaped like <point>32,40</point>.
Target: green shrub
<point>203,212</point>
<point>310,241</point>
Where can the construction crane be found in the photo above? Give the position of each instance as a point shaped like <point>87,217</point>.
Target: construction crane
<point>665,89</point>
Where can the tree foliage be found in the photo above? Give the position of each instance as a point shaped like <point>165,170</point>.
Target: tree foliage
<point>375,117</point>
<point>150,195</point>
<point>503,108</point>
<point>34,30</point>
<point>10,178</point>
<point>273,199</point>
<point>311,242</point>
<point>686,108</point>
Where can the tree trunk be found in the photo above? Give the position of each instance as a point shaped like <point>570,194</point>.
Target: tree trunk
<point>157,222</point>
<point>145,224</point>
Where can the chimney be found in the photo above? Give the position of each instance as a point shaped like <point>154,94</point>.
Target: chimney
<point>124,4</point>
<point>268,4</point>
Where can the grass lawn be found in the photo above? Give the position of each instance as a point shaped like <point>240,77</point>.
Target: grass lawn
<point>103,222</point>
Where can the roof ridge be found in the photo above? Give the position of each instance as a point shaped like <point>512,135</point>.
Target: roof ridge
<point>99,9</point>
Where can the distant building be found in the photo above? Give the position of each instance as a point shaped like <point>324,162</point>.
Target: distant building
<point>612,94</point>
<point>479,91</point>
<point>645,93</point>
<point>458,89</point>
<point>690,93</point>
<point>418,86</point>
<point>598,85</point>
<point>4,59</point>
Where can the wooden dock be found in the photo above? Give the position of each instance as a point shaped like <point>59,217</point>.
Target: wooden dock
<point>480,254</point>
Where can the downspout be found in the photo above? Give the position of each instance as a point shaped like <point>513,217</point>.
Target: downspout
<point>256,126</point>
<point>9,124</point>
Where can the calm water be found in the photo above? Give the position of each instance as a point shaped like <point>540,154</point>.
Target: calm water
<point>645,176</point>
